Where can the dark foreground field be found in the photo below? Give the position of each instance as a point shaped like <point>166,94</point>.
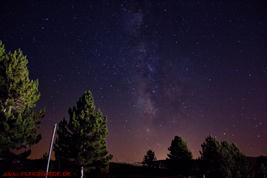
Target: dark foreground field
<point>160,169</point>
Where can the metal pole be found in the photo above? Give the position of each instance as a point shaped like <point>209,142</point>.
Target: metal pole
<point>50,149</point>
<point>82,172</point>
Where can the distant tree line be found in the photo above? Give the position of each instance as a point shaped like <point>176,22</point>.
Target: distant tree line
<point>222,159</point>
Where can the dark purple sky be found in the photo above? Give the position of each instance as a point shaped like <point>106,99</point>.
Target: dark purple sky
<point>156,68</point>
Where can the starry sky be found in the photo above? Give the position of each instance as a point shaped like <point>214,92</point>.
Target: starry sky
<point>156,68</point>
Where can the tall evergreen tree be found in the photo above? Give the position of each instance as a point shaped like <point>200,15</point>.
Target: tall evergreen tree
<point>82,139</point>
<point>19,121</point>
<point>178,150</point>
<point>224,160</point>
<point>211,155</point>
<point>149,158</point>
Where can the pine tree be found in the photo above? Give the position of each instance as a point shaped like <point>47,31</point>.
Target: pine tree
<point>82,139</point>
<point>211,155</point>
<point>149,158</point>
<point>178,150</point>
<point>19,121</point>
<point>224,160</point>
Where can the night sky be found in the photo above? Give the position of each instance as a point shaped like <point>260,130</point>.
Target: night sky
<point>156,68</point>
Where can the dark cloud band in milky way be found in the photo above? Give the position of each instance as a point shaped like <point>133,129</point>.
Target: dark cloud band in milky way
<point>160,86</point>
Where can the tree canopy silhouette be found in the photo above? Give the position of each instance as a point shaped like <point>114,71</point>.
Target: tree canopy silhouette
<point>19,120</point>
<point>178,150</point>
<point>149,158</point>
<point>82,139</point>
<point>224,160</point>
